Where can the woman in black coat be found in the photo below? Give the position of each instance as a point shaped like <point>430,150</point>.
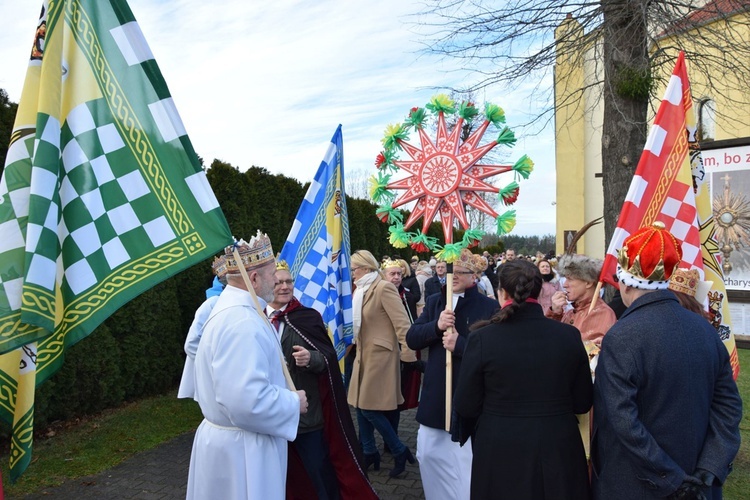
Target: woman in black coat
<point>523,380</point>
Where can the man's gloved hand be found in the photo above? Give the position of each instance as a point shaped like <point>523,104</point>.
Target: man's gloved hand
<point>705,477</point>
<point>688,490</point>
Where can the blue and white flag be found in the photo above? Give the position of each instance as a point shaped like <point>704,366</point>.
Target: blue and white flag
<point>317,248</point>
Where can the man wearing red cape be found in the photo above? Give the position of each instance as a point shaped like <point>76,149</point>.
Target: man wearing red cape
<point>326,456</point>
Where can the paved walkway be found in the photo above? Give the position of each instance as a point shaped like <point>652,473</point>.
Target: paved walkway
<point>161,474</point>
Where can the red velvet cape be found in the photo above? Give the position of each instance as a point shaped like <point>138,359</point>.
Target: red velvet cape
<point>343,445</point>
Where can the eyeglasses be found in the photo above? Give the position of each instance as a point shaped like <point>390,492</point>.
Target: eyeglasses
<point>354,268</point>
<point>284,282</point>
<point>464,273</point>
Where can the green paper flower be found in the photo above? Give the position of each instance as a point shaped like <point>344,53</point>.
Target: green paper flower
<point>472,237</point>
<point>388,214</point>
<point>394,133</point>
<point>416,118</point>
<point>509,194</point>
<point>421,243</point>
<point>384,161</point>
<point>467,110</point>
<point>441,102</point>
<point>506,137</point>
<point>399,238</point>
<point>524,166</point>
<point>378,189</point>
<point>494,114</point>
<point>506,222</point>
<point>451,252</point>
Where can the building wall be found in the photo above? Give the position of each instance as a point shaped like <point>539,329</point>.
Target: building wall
<point>578,125</point>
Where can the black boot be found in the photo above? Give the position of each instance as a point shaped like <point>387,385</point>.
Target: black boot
<point>372,459</point>
<point>400,462</point>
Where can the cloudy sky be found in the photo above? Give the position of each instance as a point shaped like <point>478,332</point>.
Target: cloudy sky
<point>267,83</point>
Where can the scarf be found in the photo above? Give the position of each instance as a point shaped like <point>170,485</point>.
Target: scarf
<point>509,302</point>
<point>363,284</point>
<point>548,276</point>
<point>283,311</point>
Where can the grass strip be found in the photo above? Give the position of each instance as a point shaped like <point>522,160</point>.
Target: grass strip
<point>97,443</point>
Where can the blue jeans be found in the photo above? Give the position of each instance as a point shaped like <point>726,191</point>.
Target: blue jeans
<point>368,421</point>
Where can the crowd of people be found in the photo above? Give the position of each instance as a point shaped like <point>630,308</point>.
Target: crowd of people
<point>531,386</point>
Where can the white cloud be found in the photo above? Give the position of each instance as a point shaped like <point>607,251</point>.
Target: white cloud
<point>267,83</point>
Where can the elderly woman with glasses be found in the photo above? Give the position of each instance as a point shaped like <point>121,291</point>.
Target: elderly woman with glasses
<point>380,324</point>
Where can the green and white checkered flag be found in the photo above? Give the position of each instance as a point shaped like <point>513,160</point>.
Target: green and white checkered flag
<point>102,196</point>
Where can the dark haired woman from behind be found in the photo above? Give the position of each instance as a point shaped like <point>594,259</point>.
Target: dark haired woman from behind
<point>523,379</point>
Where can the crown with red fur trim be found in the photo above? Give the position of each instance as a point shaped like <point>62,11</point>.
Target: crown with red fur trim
<point>648,258</point>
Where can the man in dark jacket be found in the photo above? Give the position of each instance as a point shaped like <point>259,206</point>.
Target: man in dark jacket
<point>410,284</point>
<point>433,285</point>
<point>666,409</point>
<point>444,465</point>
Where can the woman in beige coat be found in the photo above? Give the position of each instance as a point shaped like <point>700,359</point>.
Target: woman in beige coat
<point>380,326</point>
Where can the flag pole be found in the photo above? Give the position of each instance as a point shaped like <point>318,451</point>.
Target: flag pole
<point>448,354</point>
<point>596,296</point>
<point>251,291</point>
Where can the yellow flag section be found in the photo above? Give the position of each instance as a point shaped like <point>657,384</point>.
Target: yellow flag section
<point>718,303</point>
<point>102,196</point>
<point>317,248</point>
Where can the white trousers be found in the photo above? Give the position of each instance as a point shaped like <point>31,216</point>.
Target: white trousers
<point>445,466</point>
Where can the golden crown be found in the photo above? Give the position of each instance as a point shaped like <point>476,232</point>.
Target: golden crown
<point>685,281</point>
<point>390,263</point>
<point>255,253</point>
<point>281,265</point>
<point>474,263</point>
<point>219,266</point>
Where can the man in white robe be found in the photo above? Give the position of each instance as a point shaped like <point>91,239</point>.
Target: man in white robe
<point>240,448</point>
<point>187,383</point>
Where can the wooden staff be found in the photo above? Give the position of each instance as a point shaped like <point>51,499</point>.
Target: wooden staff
<point>448,354</point>
<point>596,296</point>
<point>251,290</point>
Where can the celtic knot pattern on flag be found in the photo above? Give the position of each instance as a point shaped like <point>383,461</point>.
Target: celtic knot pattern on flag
<point>317,248</point>
<point>102,196</point>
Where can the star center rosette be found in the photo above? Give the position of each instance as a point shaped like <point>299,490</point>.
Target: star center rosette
<point>444,176</point>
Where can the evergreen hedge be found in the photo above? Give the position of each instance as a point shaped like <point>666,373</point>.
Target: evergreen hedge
<point>138,351</point>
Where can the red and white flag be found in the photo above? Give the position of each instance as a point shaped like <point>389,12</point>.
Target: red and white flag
<point>669,186</point>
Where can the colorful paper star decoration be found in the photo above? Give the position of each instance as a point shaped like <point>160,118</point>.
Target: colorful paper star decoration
<point>443,176</point>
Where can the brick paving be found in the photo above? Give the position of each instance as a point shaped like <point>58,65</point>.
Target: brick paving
<point>161,474</point>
